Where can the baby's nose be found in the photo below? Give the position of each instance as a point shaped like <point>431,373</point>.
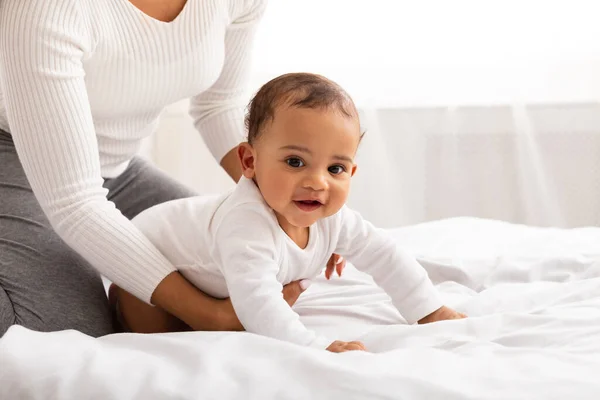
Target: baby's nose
<point>317,182</point>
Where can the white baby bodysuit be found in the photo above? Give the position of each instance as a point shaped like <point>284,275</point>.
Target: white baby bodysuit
<point>232,246</point>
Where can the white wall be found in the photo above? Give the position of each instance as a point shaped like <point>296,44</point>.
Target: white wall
<point>438,52</point>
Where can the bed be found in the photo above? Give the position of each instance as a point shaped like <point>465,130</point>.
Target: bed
<point>532,294</point>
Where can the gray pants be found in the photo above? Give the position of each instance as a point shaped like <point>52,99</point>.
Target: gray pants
<point>44,285</point>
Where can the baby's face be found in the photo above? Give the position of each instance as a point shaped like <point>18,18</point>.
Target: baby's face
<point>303,163</point>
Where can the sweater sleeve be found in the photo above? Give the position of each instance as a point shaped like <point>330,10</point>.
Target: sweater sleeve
<point>218,112</point>
<point>248,259</point>
<point>372,251</point>
<point>42,47</point>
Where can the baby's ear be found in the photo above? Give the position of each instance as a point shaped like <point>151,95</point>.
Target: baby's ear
<point>353,170</point>
<point>247,159</point>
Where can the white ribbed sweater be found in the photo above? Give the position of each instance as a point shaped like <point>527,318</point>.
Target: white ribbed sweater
<point>83,81</point>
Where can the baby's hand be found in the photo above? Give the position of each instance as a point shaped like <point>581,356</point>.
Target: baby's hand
<point>337,263</point>
<point>339,347</point>
<point>442,314</point>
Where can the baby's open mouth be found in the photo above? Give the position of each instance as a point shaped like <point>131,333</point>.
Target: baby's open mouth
<point>308,205</point>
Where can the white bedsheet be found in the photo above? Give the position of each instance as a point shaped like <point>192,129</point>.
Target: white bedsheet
<point>534,333</point>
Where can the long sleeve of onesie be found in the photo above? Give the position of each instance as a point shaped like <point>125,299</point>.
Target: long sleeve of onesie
<point>372,251</point>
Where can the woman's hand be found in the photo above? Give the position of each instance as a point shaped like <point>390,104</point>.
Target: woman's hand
<point>337,263</point>
<point>230,321</point>
<point>231,164</point>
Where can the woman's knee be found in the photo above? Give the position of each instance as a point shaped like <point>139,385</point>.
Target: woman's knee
<point>49,286</point>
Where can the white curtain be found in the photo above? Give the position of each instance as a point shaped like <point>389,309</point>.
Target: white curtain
<point>481,108</point>
<point>538,165</point>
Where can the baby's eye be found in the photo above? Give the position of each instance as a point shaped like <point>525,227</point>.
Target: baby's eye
<point>336,169</point>
<point>295,162</point>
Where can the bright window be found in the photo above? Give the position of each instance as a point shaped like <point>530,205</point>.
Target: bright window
<point>397,52</point>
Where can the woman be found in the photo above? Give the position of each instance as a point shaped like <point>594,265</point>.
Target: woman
<point>81,83</point>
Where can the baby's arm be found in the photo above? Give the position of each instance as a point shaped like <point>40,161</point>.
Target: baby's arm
<point>245,247</point>
<point>372,251</point>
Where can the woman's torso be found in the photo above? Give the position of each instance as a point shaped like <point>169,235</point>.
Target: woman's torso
<point>136,65</point>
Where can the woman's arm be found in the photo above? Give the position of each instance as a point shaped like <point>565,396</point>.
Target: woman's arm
<point>42,45</point>
<point>218,112</point>
<point>200,312</point>
<point>180,298</point>
<point>231,165</point>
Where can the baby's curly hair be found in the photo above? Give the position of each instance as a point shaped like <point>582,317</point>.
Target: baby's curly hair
<point>299,89</point>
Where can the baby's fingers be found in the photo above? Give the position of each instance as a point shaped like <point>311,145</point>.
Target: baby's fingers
<point>336,263</point>
<point>340,264</point>
<point>341,347</point>
<point>330,268</point>
<point>351,346</point>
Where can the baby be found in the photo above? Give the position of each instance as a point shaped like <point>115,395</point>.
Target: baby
<point>286,217</point>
